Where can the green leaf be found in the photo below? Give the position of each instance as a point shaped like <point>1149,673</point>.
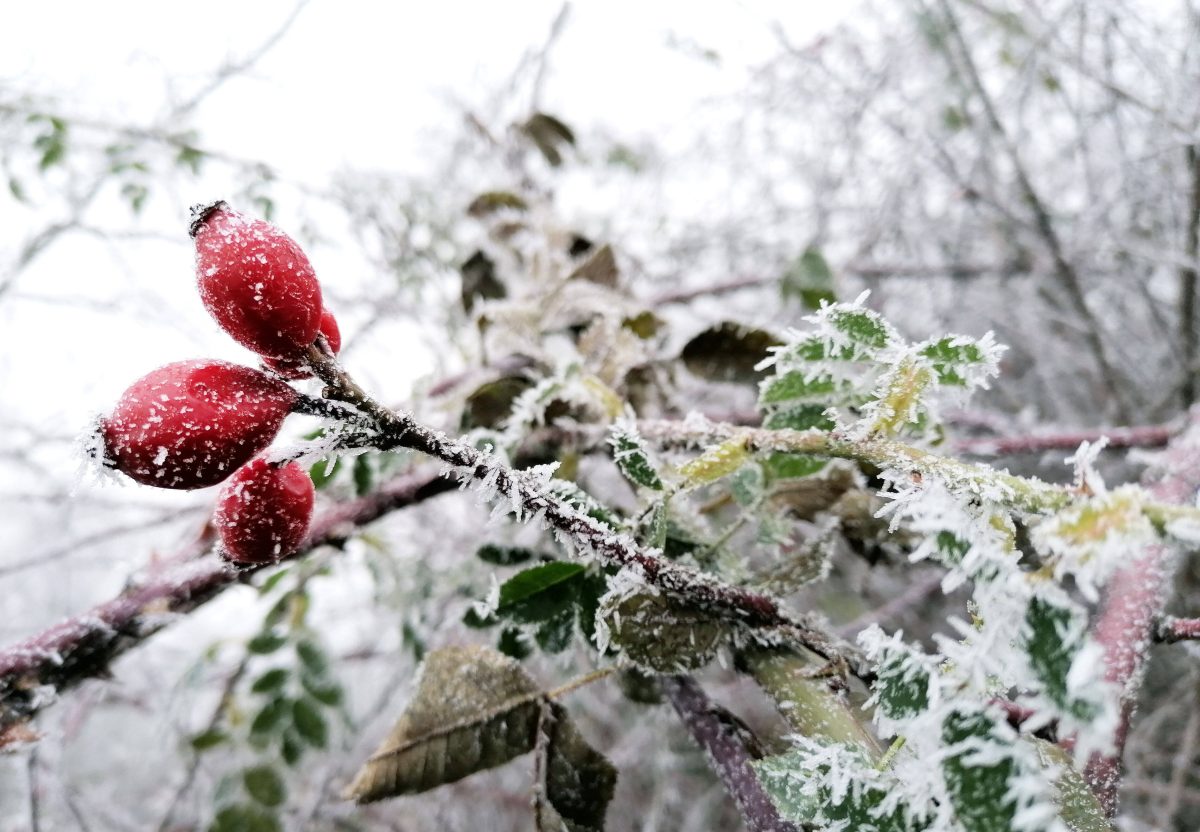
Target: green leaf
<point>312,657</point>
<point>810,279</point>
<point>512,643</point>
<point>191,158</point>
<point>1051,647</point>
<point>291,747</point>
<point>265,643</point>
<point>782,466</point>
<point>272,680</point>
<point>632,458</point>
<point>794,385</point>
<point>309,723</point>
<point>325,691</point>
<point>950,356</point>
<point>364,477</point>
<point>579,780</point>
<point>981,793</point>
<point>479,280</point>
<point>800,417</point>
<point>538,579</point>
<point>17,189</point>
<point>653,531</point>
<point>716,462</point>
<point>902,688</point>
<point>270,716</point>
<point>265,785</point>
<point>861,326</point>
<point>504,555</point>
<point>747,484</point>
<point>662,635</point>
<point>208,739</point>
<point>490,405</point>
<point>554,634</point>
<point>323,471</point>
<point>245,818</point>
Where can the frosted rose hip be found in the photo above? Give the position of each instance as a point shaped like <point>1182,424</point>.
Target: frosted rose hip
<point>296,369</point>
<point>264,511</point>
<point>192,423</point>
<point>256,282</point>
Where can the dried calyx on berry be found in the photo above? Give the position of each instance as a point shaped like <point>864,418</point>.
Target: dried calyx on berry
<point>256,282</point>
<point>295,370</point>
<point>264,511</point>
<point>193,423</point>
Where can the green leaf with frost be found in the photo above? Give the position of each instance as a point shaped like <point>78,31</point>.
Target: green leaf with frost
<point>632,457</point>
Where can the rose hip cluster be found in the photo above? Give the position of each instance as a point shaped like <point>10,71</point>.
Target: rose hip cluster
<point>197,423</point>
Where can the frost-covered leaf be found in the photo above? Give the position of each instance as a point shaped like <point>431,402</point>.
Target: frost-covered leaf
<point>632,456</point>
<point>245,818</point>
<point>728,352</point>
<point>1053,636</point>
<point>796,385</point>
<point>490,404</point>
<point>904,686</point>
<point>836,788</point>
<point>960,361</point>
<point>662,635</point>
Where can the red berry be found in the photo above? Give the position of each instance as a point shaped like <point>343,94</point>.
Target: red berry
<point>192,423</point>
<point>295,369</point>
<point>264,511</point>
<point>256,281</point>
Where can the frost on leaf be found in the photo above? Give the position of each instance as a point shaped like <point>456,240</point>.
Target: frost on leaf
<point>1094,536</point>
<point>905,684</point>
<point>659,634</point>
<point>632,457</point>
<point>837,788</point>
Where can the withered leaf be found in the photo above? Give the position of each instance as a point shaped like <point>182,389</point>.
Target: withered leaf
<point>662,635</point>
<point>728,352</point>
<point>547,134</point>
<point>600,267</point>
<point>491,201</point>
<point>476,709</point>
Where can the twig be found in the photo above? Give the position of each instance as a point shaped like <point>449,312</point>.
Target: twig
<point>715,732</point>
<point>1189,339</point>
<point>84,646</point>
<point>1145,436</point>
<point>1171,629</point>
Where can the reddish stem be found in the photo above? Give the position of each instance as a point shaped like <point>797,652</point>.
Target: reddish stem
<point>1172,629</point>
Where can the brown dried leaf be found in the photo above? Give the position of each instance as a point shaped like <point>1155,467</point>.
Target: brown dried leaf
<point>600,267</point>
<point>728,352</point>
<point>475,709</point>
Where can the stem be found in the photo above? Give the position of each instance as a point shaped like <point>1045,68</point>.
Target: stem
<point>579,682</point>
<point>1189,344</point>
<point>1171,629</point>
<point>714,730</point>
<point>530,498</point>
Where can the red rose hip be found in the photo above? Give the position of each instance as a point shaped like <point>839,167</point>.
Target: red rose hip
<point>296,369</point>
<point>264,511</point>
<point>256,282</point>
<point>192,423</point>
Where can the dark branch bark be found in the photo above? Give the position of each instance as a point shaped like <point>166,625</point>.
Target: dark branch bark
<point>1127,621</point>
<point>717,733</point>
<point>1188,337</point>
<point>84,646</point>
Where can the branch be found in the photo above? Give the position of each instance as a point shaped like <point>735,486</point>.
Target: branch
<point>716,731</point>
<point>1127,620</point>
<point>1145,436</point>
<point>1172,629</point>
<point>84,646</point>
<point>529,497</point>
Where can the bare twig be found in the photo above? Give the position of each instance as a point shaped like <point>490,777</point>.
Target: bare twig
<point>1144,436</point>
<point>717,733</point>
<point>1171,629</point>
